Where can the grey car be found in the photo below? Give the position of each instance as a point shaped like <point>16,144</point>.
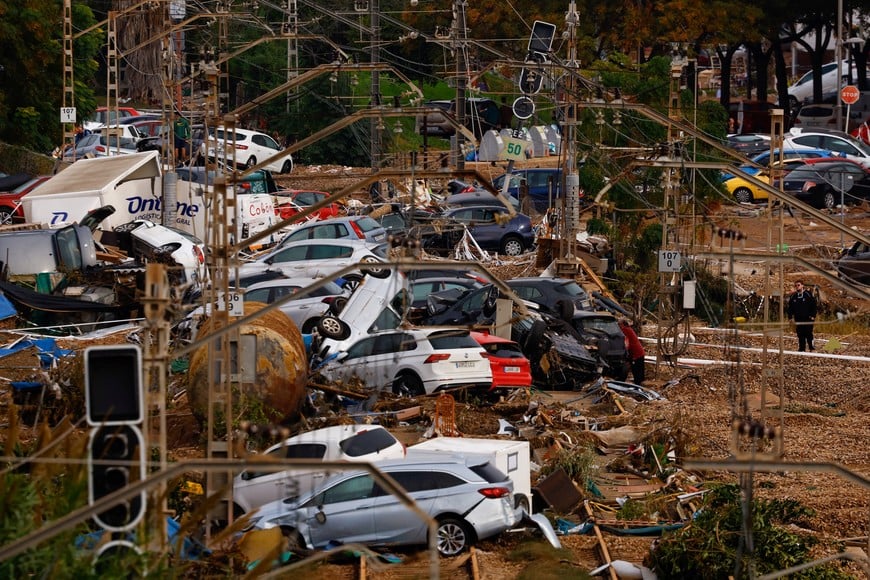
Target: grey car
<point>305,310</point>
<point>468,496</point>
<point>354,227</point>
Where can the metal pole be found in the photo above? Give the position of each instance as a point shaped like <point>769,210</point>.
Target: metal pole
<point>839,48</point>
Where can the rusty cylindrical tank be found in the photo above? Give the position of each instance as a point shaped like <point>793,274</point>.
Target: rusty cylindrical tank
<point>279,389</point>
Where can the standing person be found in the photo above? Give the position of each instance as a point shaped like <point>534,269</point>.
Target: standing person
<point>802,307</point>
<point>635,350</point>
<point>181,130</point>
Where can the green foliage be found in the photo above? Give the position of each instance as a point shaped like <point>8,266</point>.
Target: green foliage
<point>710,545</point>
<point>578,463</point>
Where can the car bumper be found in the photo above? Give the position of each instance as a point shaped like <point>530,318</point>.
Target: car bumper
<point>492,517</point>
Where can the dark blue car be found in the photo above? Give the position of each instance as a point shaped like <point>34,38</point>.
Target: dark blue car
<point>491,227</point>
<point>543,183</point>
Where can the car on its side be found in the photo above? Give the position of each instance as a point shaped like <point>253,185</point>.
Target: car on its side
<point>308,308</point>
<point>468,497</point>
<point>253,488</point>
<point>854,263</point>
<point>246,148</point>
<point>837,141</point>
<point>289,202</point>
<point>352,227</point>
<point>510,367</point>
<point>553,295</point>
<point>12,189</point>
<point>827,183</point>
<point>492,227</point>
<point>319,258</point>
<point>149,241</point>
<point>412,361</point>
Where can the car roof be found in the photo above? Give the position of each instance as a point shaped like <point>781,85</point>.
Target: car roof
<point>531,279</point>
<point>825,160</point>
<point>593,314</point>
<point>487,338</point>
<point>279,282</point>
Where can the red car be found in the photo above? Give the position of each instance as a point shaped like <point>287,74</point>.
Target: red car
<point>10,195</point>
<point>289,202</point>
<point>510,367</point>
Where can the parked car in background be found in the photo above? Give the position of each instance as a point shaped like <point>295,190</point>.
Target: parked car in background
<point>854,263</point>
<point>126,131</point>
<point>510,367</point>
<point>555,296</point>
<point>353,227</point>
<point>468,496</point>
<point>745,191</point>
<point>422,288</point>
<point>480,197</point>
<point>817,115</point>
<point>802,89</point>
<point>763,159</point>
<point>491,227</point>
<point>318,258</point>
<point>12,189</point>
<point>837,141</point>
<point>97,145</point>
<point>253,488</point>
<point>305,310</point>
<point>102,116</point>
<point>412,362</point>
<point>246,148</point>
<point>544,185</point>
<point>826,183</point>
<point>749,144</point>
<point>289,202</point>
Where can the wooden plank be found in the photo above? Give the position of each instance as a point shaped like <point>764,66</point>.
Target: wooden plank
<point>475,568</point>
<point>605,553</point>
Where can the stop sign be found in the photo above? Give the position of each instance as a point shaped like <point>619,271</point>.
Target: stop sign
<point>850,94</point>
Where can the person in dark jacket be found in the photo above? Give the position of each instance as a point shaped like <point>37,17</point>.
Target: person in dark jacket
<point>635,350</point>
<point>802,307</point>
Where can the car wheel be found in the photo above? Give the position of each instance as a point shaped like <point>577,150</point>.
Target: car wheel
<point>251,162</point>
<point>351,281</point>
<point>375,272</point>
<point>337,305</point>
<point>792,103</point>
<point>295,543</point>
<point>512,246</point>
<point>287,166</point>
<point>743,195</point>
<point>532,344</point>
<point>489,302</point>
<point>565,308</point>
<point>309,325</point>
<point>332,327</point>
<point>828,200</point>
<point>407,384</point>
<point>454,537</point>
<point>5,216</point>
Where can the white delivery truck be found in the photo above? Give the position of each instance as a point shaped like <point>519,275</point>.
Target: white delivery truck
<point>512,457</point>
<point>133,185</point>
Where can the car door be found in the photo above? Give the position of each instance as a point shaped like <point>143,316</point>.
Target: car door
<point>354,364</point>
<point>293,259</point>
<point>397,523</point>
<point>254,488</point>
<point>486,231</point>
<point>343,512</point>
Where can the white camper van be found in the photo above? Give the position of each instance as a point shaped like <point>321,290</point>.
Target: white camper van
<point>133,184</point>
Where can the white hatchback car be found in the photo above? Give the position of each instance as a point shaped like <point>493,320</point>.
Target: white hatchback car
<point>413,362</point>
<point>317,259</point>
<point>251,148</point>
<point>353,443</point>
<point>306,310</point>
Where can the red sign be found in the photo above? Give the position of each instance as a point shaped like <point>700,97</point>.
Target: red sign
<point>850,94</point>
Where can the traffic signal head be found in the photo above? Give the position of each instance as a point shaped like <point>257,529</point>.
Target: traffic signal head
<point>113,385</point>
<point>116,458</point>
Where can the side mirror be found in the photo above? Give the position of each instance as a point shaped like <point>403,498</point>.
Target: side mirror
<point>320,516</point>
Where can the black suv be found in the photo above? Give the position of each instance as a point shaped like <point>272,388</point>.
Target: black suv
<point>555,296</point>
<point>481,115</point>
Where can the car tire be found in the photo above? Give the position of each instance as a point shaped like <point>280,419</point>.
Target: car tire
<point>287,166</point>
<point>489,303</point>
<point>351,281</point>
<point>532,344</point>
<point>375,272</point>
<point>828,200</point>
<point>5,216</point>
<point>331,327</point>
<point>337,305</point>
<point>454,536</point>
<point>408,384</point>
<point>251,162</point>
<point>295,543</point>
<point>309,325</point>
<point>743,195</point>
<point>512,246</point>
<point>565,308</point>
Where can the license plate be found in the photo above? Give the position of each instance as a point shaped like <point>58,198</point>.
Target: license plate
<point>512,369</point>
<point>465,364</point>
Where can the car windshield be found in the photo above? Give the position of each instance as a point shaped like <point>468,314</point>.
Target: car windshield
<point>489,472</point>
<point>603,324</point>
<point>367,224</point>
<point>368,442</point>
<point>503,349</point>
<point>570,289</point>
<point>450,339</point>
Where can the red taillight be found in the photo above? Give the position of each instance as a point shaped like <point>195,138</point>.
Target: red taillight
<point>808,185</point>
<point>200,257</point>
<point>434,358</point>
<point>241,147</point>
<point>100,148</point>
<point>494,492</point>
<point>359,233</point>
<point>244,185</point>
